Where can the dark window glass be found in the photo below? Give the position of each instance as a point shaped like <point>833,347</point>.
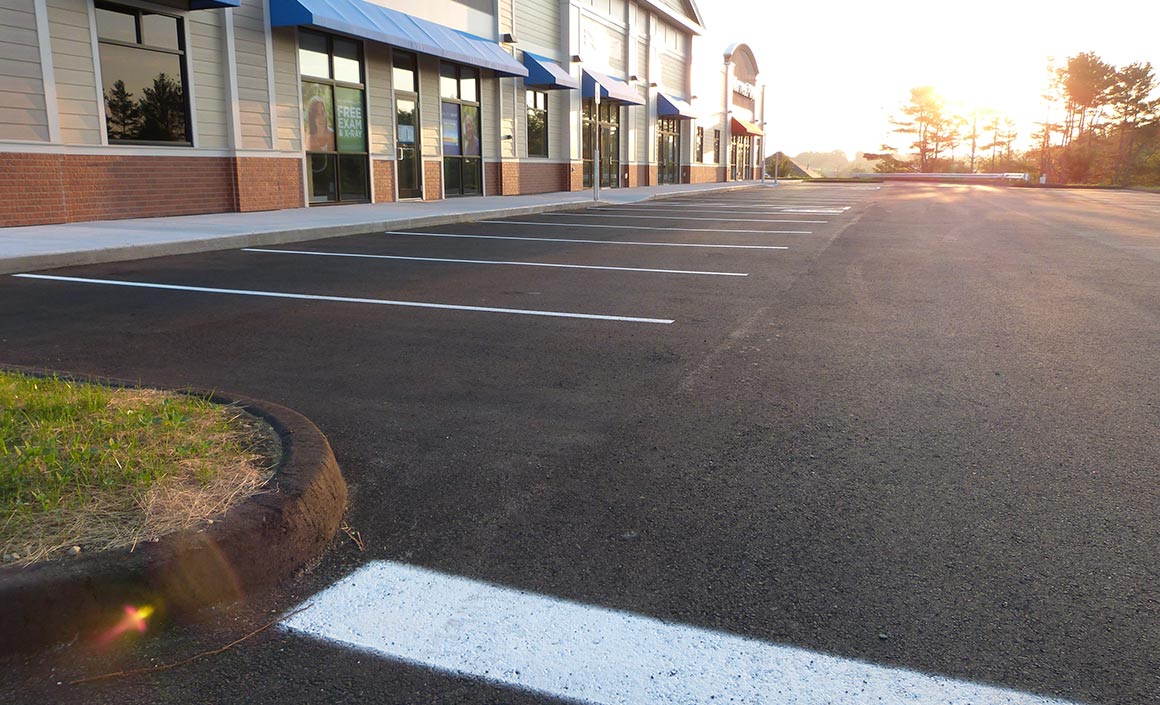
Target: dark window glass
<point>313,55</point>
<point>403,72</point>
<point>120,26</point>
<point>144,86</point>
<point>470,130</point>
<point>347,62</point>
<point>537,102</point>
<point>159,31</point>
<point>353,171</point>
<point>472,179</point>
<point>453,176</point>
<point>323,177</point>
<point>716,146</point>
<point>699,147</point>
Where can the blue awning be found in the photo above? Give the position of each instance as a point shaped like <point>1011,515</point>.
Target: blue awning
<point>546,74</point>
<point>668,106</point>
<point>611,88</point>
<point>369,21</point>
<point>213,4</point>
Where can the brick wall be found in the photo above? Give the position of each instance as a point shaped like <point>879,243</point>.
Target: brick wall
<point>384,173</point>
<point>706,174</point>
<point>493,179</point>
<point>265,184</point>
<point>432,180</point>
<point>532,177</point>
<point>30,189</point>
<point>576,176</point>
<point>98,187</point>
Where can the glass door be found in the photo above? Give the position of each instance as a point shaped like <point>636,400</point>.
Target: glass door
<point>408,151</point>
<point>668,150</point>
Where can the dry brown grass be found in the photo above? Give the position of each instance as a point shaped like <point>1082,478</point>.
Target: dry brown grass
<point>178,472</point>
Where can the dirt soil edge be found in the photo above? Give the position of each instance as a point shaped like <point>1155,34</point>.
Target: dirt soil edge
<point>254,545</point>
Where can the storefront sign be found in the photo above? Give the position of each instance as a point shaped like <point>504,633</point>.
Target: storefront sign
<point>742,88</point>
<point>351,120</point>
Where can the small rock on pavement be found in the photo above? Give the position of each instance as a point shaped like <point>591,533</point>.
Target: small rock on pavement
<point>883,636</point>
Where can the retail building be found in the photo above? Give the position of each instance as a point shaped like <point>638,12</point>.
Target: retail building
<point>128,108</point>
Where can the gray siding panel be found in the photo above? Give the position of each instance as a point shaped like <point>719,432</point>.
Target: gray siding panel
<point>76,80</point>
<point>380,113</point>
<point>537,22</point>
<point>207,67</point>
<point>24,115</point>
<point>252,74</point>
<point>288,90</point>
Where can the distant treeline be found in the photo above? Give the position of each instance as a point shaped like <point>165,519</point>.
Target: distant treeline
<point>1102,126</point>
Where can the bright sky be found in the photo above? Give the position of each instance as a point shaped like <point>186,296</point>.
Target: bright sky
<point>837,69</point>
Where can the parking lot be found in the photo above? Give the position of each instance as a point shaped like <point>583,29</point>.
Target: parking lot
<point>911,428</point>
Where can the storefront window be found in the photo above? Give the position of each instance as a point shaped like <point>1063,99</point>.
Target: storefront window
<point>716,146</point>
<point>462,162</point>
<point>143,75</point>
<point>699,146</point>
<point>537,123</point>
<point>603,124</point>
<point>668,150</point>
<point>333,118</point>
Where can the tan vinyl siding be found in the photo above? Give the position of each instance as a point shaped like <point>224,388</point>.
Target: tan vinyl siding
<point>253,76</point>
<point>673,70</point>
<point>489,93</point>
<point>381,115</point>
<point>638,118</point>
<point>206,64</point>
<point>537,22</point>
<point>22,109</point>
<point>287,87</point>
<point>558,124</point>
<point>76,79</point>
<point>429,106</point>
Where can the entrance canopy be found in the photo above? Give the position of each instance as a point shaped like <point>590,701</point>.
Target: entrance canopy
<point>546,75</point>
<point>669,106</point>
<point>381,24</point>
<point>609,87</point>
<point>744,127</point>
<point>213,4</point>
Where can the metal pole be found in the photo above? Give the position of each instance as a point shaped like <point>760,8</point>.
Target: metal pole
<point>776,165</point>
<point>596,146</point>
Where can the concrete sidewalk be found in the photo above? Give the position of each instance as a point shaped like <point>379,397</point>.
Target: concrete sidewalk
<point>36,247</point>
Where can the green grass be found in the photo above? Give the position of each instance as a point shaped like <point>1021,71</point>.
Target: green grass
<point>83,464</point>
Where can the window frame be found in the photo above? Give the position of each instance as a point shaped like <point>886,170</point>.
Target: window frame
<point>182,52</point>
<point>461,103</point>
<point>716,146</point>
<point>334,84</point>
<point>699,146</point>
<point>534,95</point>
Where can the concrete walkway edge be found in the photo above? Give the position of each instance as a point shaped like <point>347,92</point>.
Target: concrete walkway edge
<point>19,246</point>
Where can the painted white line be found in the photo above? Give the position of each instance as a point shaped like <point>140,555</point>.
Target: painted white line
<point>779,210</point>
<point>589,242</point>
<point>587,654</point>
<point>492,261</point>
<point>346,299</point>
<point>645,227</point>
<point>676,217</point>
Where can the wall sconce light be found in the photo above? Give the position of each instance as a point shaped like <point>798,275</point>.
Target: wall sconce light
<point>508,38</point>
<point>576,58</point>
<point>652,85</point>
<point>634,77</point>
<point>507,137</point>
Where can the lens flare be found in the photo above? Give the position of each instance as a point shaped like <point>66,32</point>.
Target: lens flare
<point>134,619</point>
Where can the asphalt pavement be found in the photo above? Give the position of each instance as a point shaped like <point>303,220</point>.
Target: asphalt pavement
<point>914,426</point>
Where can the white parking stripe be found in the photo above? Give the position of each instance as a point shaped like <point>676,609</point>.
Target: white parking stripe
<point>590,242</point>
<point>587,654</point>
<point>676,217</point>
<point>492,261</point>
<point>645,227</point>
<point>346,299</point>
<point>780,210</point>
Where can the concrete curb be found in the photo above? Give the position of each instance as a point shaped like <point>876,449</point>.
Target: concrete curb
<point>251,547</point>
<point>31,263</point>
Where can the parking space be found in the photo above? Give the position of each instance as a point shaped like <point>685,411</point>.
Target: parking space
<point>909,448</point>
<point>526,266</point>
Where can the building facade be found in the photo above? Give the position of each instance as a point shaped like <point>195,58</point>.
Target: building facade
<point>135,108</point>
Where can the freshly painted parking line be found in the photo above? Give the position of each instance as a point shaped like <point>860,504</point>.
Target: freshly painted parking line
<point>347,299</point>
<point>677,217</point>
<point>588,242</point>
<point>735,210</point>
<point>491,261</point>
<point>587,654</point>
<point>645,227</point>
